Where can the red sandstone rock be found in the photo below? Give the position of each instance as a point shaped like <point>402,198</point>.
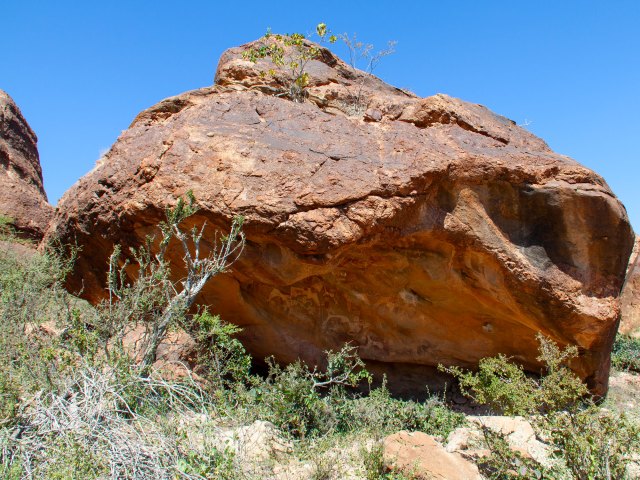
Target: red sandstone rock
<point>438,233</point>
<point>22,196</point>
<point>419,456</point>
<point>630,298</point>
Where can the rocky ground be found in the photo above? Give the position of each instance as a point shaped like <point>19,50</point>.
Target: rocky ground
<point>265,452</point>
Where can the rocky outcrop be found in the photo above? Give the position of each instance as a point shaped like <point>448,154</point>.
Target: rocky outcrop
<point>469,441</point>
<point>22,195</point>
<point>422,230</point>
<point>630,298</point>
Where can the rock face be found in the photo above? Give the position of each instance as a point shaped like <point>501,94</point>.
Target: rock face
<point>22,195</point>
<point>423,230</point>
<point>469,442</point>
<point>630,298</point>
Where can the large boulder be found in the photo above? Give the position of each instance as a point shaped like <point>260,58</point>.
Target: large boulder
<point>22,196</point>
<point>630,298</point>
<point>422,230</point>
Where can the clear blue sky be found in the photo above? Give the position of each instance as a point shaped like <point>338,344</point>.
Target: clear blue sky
<point>81,71</point>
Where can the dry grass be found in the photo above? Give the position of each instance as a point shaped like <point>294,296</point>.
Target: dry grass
<point>108,422</point>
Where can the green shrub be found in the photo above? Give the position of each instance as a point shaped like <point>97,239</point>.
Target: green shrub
<point>9,233</point>
<point>149,298</point>
<point>32,303</point>
<point>374,466</point>
<point>70,458</point>
<point>220,354</point>
<point>214,465</point>
<point>626,353</point>
<point>588,442</point>
<point>293,53</point>
<point>309,403</point>
<point>559,388</point>
<point>593,443</point>
<point>288,399</point>
<point>380,414</point>
<point>6,228</point>
<point>10,395</point>
<point>373,461</point>
<point>503,463</point>
<point>500,384</point>
<point>506,388</point>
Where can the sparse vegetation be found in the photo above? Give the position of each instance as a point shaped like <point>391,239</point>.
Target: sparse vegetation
<point>362,52</point>
<point>503,462</point>
<point>588,442</point>
<point>9,233</point>
<point>592,442</point>
<point>506,388</point>
<point>78,401</point>
<point>153,300</point>
<point>292,52</point>
<point>626,353</point>
<point>5,225</point>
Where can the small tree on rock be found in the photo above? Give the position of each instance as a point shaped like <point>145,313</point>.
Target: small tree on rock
<point>291,52</point>
<point>153,299</point>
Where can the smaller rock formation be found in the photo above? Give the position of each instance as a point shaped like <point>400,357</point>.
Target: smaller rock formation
<point>259,449</point>
<point>517,431</point>
<point>259,442</point>
<point>22,196</point>
<point>421,457</point>
<point>630,298</point>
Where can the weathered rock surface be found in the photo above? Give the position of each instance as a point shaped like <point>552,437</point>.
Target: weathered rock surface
<point>256,449</point>
<point>258,442</point>
<point>423,230</point>
<point>630,298</point>
<point>517,431</point>
<point>420,456</point>
<point>22,195</point>
<point>260,450</point>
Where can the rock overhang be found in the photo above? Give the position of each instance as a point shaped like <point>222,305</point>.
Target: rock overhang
<point>441,233</point>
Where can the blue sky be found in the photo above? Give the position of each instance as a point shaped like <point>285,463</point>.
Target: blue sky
<point>81,71</point>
